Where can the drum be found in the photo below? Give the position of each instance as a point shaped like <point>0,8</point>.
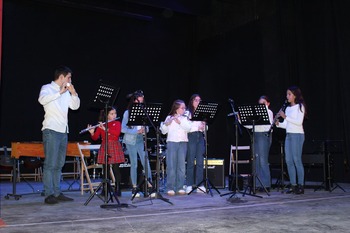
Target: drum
<point>161,150</point>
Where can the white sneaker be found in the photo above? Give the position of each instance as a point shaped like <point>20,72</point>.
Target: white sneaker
<point>171,192</point>
<point>153,195</point>
<point>201,189</point>
<point>181,192</point>
<point>188,189</point>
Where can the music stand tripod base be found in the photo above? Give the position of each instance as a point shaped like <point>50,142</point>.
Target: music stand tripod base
<point>106,95</point>
<point>254,115</point>
<point>146,115</point>
<point>205,111</point>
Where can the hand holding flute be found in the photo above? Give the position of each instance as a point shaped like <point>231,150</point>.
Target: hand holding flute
<point>171,119</point>
<point>92,129</point>
<point>100,124</point>
<point>279,114</point>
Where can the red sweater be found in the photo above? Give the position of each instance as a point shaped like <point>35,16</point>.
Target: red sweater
<point>114,128</point>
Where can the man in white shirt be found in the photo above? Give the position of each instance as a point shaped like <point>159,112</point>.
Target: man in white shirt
<point>57,98</point>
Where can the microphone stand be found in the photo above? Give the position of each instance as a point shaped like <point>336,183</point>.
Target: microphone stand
<point>237,128</point>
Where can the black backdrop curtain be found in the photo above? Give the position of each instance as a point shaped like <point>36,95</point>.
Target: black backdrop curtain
<point>303,43</point>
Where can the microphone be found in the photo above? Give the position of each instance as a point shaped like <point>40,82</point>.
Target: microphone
<point>231,114</point>
<point>230,100</point>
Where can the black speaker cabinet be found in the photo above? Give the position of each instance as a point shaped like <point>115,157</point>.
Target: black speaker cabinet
<point>216,173</point>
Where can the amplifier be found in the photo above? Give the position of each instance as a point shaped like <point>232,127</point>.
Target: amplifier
<point>216,173</point>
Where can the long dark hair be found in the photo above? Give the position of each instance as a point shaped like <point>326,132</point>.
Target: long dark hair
<point>102,117</point>
<point>133,96</point>
<point>299,99</point>
<point>190,107</point>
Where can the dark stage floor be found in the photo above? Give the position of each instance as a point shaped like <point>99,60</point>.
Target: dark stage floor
<point>315,211</point>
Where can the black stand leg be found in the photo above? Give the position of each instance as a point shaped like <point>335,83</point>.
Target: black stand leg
<point>280,182</point>
<point>328,182</point>
<point>252,188</point>
<point>144,183</point>
<point>155,189</point>
<point>207,183</point>
<point>14,180</point>
<point>108,194</point>
<point>158,195</point>
<point>235,187</point>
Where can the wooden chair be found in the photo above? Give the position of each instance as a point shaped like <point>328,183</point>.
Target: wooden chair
<point>85,181</point>
<point>233,157</point>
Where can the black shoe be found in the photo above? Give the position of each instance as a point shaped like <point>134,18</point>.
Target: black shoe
<point>51,200</point>
<point>300,189</point>
<point>62,197</point>
<point>292,189</point>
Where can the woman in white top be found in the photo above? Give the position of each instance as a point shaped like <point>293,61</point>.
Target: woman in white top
<point>176,126</point>
<point>293,123</point>
<point>195,149</point>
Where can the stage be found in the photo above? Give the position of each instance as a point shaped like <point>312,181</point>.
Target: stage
<point>315,211</point>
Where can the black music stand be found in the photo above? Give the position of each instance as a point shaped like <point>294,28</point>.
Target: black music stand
<point>254,115</point>
<point>328,168</point>
<point>205,111</point>
<point>280,180</point>
<point>146,115</point>
<point>106,94</point>
<point>237,130</point>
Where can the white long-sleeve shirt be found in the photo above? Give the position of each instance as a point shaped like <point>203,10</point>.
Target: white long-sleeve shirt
<point>176,132</point>
<point>293,123</point>
<point>56,107</point>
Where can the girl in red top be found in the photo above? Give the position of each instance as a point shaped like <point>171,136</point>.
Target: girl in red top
<point>115,149</point>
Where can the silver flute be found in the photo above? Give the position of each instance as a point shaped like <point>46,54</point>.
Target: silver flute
<point>97,125</point>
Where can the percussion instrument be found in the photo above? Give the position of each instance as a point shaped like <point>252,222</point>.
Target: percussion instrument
<point>161,150</point>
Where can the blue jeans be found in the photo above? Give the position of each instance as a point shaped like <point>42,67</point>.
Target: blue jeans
<point>262,166</point>
<point>294,150</point>
<point>134,150</point>
<point>195,151</point>
<point>175,165</point>
<point>55,149</point>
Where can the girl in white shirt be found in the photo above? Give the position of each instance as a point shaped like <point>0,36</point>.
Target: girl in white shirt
<point>293,123</point>
<point>176,126</point>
